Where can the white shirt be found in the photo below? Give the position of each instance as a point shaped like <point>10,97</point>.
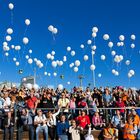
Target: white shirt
<point>52,121</point>
<point>7,102</point>
<point>40,118</point>
<point>75,133</point>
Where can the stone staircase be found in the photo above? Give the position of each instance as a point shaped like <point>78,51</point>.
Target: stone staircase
<point>25,135</point>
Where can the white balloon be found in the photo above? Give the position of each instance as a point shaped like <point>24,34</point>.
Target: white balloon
<point>103,57</point>
<point>17,63</point>
<point>129,75</point>
<point>94,35</point>
<point>70,66</point>
<point>36,87</point>
<point>6,54</point>
<point>27,22</point>
<point>25,40</point>
<point>72,53</point>
<point>60,87</point>
<point>77,63</point>
<point>60,63</point>
<point>55,30</point>
<point>12,46</point>
<point>52,57</point>
<point>85,57</point>
<point>64,58</point>
<point>132,72</point>
<point>82,46</point>
<point>29,86</point>
<point>75,69</point>
<point>92,52</point>
<point>93,48</point>
<point>30,61</point>
<point>89,42</point>
<point>68,83</point>
<point>8,38</point>
<point>53,52</point>
<point>92,67</point>
<point>68,49</point>
<point>54,64</point>
<point>54,74</point>
<point>105,36</point>
<point>127,62</point>
<point>116,73</point>
<point>113,71</point>
<point>133,37</point>
<point>17,48</point>
<point>121,57</point>
<point>27,56</point>
<point>121,37</point>
<point>110,44</point>
<point>50,28</point>
<point>6,48</point>
<point>38,62</point>
<point>118,44</point>
<point>49,74</point>
<point>118,58</point>
<point>99,75</point>
<point>121,43</point>
<point>95,29</point>
<point>14,59</point>
<point>24,79</point>
<point>5,44</point>
<point>9,31</point>
<point>30,51</point>
<point>40,65</point>
<point>113,53</point>
<point>35,59</point>
<point>48,56</point>
<point>45,73</point>
<point>11,6</point>
<point>132,46</point>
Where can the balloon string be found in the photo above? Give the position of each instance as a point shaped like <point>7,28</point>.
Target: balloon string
<point>107,66</point>
<point>112,62</point>
<point>131,53</point>
<point>53,36</point>
<point>19,56</point>
<point>124,51</point>
<point>25,65</point>
<point>46,65</point>
<point>25,30</point>
<point>12,18</point>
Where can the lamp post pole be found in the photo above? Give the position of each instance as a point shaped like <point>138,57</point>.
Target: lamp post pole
<point>93,72</point>
<point>81,77</point>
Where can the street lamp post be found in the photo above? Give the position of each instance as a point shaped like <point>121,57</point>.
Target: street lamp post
<point>81,77</point>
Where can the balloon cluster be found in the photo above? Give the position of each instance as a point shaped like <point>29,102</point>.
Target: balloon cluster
<point>52,29</point>
<point>76,63</point>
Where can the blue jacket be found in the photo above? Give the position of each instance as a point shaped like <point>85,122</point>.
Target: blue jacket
<point>61,128</point>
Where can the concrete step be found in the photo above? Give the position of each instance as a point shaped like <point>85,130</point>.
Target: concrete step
<point>25,135</point>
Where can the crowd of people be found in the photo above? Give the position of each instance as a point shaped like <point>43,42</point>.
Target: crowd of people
<point>70,115</point>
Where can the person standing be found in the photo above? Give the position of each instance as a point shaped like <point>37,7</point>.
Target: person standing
<point>8,126</point>
<point>41,122</point>
<point>51,122</point>
<point>25,123</point>
<point>74,131</point>
<point>62,128</point>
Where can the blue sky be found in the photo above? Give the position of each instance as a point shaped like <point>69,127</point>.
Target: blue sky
<point>74,20</point>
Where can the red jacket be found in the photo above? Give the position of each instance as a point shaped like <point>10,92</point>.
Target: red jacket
<point>120,105</point>
<point>83,121</point>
